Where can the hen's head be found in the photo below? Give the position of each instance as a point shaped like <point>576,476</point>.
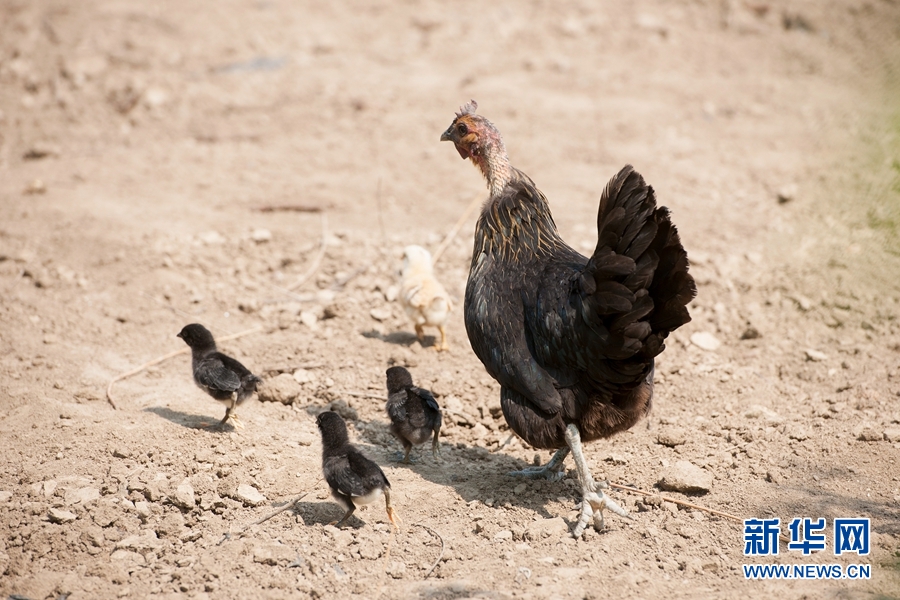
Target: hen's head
<point>473,135</point>
<point>476,138</point>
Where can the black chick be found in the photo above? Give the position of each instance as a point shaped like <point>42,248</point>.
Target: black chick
<point>221,376</point>
<point>354,479</point>
<point>414,413</point>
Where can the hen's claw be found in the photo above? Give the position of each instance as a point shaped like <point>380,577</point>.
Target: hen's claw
<point>552,471</point>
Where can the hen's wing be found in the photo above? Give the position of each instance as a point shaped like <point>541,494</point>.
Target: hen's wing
<point>612,318</point>
<point>212,374</point>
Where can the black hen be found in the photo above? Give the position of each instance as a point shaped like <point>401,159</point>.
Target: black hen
<point>220,376</point>
<point>414,413</point>
<point>354,479</point>
<point>570,339</point>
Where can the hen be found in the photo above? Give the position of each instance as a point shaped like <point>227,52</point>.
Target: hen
<point>570,339</point>
<point>424,299</point>
<point>219,375</point>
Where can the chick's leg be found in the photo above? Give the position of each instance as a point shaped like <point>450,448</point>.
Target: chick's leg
<point>443,345</point>
<point>552,470</point>
<point>594,500</point>
<point>420,333</point>
<point>435,444</point>
<point>392,515</point>
<point>232,415</point>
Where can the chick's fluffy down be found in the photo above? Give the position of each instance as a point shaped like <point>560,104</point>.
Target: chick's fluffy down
<point>424,299</point>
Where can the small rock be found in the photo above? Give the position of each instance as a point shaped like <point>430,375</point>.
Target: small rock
<point>869,434</point>
<point>761,412</point>
<point>305,439</point>
<point>773,477</point>
<point>345,410</point>
<point>542,528</point>
<point>5,496</point>
<point>669,506</point>
<point>803,303</point>
<point>81,495</point>
<point>505,534</point>
<point>479,431</point>
<point>35,187</point>
<point>184,495</point>
<point>211,238</point>
<point>309,319</point>
<point>520,488</point>
<point>249,495</point>
<point>41,150</point>
<point>274,554</point>
<point>261,236</point>
<point>121,452</point>
<point>672,437</point>
<point>705,341</point>
<point>891,434</point>
<point>142,508</point>
<point>61,516</point>
<point>787,193</point>
<point>396,569</point>
<point>369,549</point>
<point>146,540</point>
<point>303,376</point>
<point>815,355</point>
<point>751,333</point>
<point>282,388</point>
<point>127,555</point>
<point>380,314</point>
<point>391,293</point>
<point>686,478</point>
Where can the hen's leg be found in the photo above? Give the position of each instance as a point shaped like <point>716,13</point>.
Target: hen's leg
<point>443,345</point>
<point>435,444</point>
<point>552,470</point>
<point>594,500</point>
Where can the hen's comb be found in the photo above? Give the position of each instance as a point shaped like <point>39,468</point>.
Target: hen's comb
<point>468,109</point>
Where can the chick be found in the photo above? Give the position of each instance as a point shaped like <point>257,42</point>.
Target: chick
<point>415,414</point>
<point>354,479</point>
<point>220,376</point>
<point>424,299</point>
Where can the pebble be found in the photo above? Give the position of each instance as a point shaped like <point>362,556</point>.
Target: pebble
<point>261,236</point>
<point>787,193</point>
<point>81,495</point>
<point>146,540</point>
<point>249,495</point>
<point>685,477</point>
<point>184,495</point>
<point>757,411</point>
<point>143,509</point>
<point>815,355</point>
<point>505,534</point>
<point>345,410</point>
<point>705,341</point>
<point>282,388</point>
<point>309,319</point>
<point>891,434</point>
<point>5,496</point>
<point>305,439</point>
<point>869,434</point>
<point>672,437</point>
<point>380,314</point>
<point>304,376</point>
<point>61,516</point>
<point>273,554</point>
<point>396,569</point>
<point>545,528</point>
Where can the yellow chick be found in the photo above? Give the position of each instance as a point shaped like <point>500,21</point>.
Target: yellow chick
<point>424,299</point>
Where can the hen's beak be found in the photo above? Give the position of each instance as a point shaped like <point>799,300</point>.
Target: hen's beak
<point>447,136</point>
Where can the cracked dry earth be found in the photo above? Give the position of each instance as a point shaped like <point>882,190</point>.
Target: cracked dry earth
<point>138,142</point>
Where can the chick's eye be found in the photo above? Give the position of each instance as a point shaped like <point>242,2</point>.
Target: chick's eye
<point>462,129</point>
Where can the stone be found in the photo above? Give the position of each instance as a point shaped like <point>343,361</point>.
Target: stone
<point>5,496</point>
<point>282,388</point>
<point>274,554</point>
<point>505,534</point>
<point>302,376</point>
<point>815,355</point>
<point>396,569</point>
<point>61,516</point>
<point>146,540</point>
<point>757,411</point>
<point>686,478</point>
<point>705,341</point>
<point>672,437</point>
<point>345,410</point>
<point>869,434</point>
<point>184,495</point>
<point>380,314</point>
<point>787,193</point>
<point>542,528</point>
<point>261,236</point>
<point>249,495</point>
<point>309,319</point>
<point>891,434</point>
<point>81,495</point>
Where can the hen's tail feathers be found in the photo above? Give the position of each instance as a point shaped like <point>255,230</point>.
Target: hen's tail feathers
<point>637,278</point>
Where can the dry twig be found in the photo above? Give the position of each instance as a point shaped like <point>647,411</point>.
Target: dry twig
<point>287,506</point>
<point>163,358</point>
<point>455,230</point>
<point>441,555</point>
<point>365,395</point>
<point>314,266</point>
<point>304,208</point>
<point>711,511</point>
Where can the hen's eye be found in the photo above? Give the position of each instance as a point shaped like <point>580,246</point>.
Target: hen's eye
<point>462,129</point>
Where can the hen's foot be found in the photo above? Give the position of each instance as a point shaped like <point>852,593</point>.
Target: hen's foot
<point>552,471</point>
<point>594,501</point>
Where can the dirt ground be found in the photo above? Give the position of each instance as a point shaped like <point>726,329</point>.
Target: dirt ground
<point>139,141</point>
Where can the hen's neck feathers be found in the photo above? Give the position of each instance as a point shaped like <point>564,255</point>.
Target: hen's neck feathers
<point>494,165</point>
